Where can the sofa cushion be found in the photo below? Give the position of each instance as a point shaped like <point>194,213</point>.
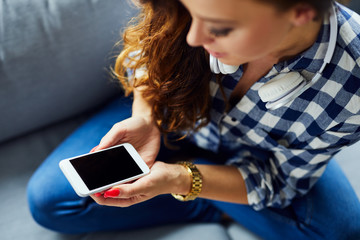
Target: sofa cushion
<point>54,59</point>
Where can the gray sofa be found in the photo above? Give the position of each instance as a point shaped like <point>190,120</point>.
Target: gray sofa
<point>54,74</point>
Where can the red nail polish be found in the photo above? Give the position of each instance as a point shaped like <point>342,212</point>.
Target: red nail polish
<point>112,193</point>
<point>97,194</point>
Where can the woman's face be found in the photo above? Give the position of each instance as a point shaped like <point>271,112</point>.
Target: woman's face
<point>237,31</point>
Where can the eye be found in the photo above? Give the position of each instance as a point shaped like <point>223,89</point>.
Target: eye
<point>220,32</point>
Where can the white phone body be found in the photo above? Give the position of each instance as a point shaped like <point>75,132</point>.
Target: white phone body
<point>95,172</point>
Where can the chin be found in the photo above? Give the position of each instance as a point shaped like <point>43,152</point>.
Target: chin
<point>230,62</point>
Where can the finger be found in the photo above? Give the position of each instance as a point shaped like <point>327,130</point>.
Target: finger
<point>94,149</point>
<point>129,190</point>
<point>101,199</point>
<point>115,134</point>
<point>126,202</point>
<point>111,193</point>
<point>98,194</point>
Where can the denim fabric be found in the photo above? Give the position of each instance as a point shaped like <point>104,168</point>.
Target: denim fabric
<point>330,210</point>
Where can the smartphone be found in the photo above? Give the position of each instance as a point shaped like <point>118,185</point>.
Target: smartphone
<point>95,172</point>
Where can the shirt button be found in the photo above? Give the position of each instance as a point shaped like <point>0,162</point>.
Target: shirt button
<point>233,119</point>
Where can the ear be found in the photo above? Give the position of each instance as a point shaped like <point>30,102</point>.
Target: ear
<point>303,13</point>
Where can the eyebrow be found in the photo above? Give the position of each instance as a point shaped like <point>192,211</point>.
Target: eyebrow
<point>216,20</point>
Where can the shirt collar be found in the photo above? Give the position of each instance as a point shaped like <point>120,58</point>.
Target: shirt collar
<point>309,61</point>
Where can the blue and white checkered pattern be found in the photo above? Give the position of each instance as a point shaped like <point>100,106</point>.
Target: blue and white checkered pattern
<point>282,153</point>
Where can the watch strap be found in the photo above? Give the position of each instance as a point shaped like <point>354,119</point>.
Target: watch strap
<point>196,182</point>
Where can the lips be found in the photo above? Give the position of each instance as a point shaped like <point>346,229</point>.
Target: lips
<point>216,54</point>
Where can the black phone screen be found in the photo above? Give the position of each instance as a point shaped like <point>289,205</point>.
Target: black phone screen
<point>105,167</point>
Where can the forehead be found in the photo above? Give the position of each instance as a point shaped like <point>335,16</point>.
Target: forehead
<point>230,11</point>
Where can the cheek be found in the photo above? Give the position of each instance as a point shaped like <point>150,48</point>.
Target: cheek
<point>245,47</point>
<point>256,43</point>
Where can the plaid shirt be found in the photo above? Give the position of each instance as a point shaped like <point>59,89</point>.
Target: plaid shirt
<point>282,153</point>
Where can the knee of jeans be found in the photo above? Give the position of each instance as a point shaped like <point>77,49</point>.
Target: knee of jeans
<point>46,206</point>
<point>55,206</point>
<point>349,227</point>
<point>39,205</point>
<point>354,231</point>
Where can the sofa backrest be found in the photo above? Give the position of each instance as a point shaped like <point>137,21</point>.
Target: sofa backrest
<point>54,59</point>
<point>355,5</point>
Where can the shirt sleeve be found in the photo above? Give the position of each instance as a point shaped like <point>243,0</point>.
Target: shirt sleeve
<point>275,178</point>
<point>137,73</point>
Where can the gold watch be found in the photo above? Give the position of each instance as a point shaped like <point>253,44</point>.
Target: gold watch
<point>196,183</point>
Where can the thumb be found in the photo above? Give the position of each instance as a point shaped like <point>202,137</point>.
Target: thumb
<point>94,149</point>
<point>113,137</point>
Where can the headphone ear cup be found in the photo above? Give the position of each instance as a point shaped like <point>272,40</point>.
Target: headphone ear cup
<point>214,67</point>
<point>218,67</point>
<point>279,86</point>
<point>229,69</point>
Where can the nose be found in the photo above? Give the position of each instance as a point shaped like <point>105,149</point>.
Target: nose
<point>197,36</point>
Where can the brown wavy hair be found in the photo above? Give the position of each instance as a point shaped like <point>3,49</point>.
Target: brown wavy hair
<point>177,75</point>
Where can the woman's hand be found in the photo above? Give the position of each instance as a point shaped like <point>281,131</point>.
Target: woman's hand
<point>219,182</point>
<point>163,179</point>
<point>142,133</point>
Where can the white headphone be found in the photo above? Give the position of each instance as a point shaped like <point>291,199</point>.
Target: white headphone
<point>218,67</point>
<point>285,87</point>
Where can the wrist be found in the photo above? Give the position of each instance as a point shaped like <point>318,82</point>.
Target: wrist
<point>141,107</point>
<point>191,189</point>
<point>180,179</point>
<point>147,119</point>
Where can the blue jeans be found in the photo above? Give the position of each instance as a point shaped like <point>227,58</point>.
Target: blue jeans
<point>331,210</point>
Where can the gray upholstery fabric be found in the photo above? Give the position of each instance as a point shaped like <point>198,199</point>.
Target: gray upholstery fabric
<point>53,55</point>
<point>53,59</point>
<point>355,5</point>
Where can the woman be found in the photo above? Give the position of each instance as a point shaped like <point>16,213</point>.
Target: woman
<point>261,133</point>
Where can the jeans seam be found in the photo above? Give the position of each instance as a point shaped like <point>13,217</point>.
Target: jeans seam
<point>309,213</point>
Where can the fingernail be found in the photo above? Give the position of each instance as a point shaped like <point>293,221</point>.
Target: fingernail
<point>112,193</point>
<point>97,194</point>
